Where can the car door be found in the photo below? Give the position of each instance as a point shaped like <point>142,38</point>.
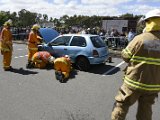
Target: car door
<point>76,47</point>
<point>59,46</point>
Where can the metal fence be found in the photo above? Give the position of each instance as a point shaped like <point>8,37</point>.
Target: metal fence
<point>116,42</point>
<point>20,36</point>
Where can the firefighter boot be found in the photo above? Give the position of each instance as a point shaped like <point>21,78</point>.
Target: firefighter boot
<point>30,64</point>
<point>59,76</point>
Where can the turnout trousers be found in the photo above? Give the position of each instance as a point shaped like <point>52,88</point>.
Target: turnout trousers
<point>31,53</point>
<point>127,97</point>
<point>7,57</point>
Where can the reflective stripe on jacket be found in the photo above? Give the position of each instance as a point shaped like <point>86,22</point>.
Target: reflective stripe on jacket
<point>143,58</point>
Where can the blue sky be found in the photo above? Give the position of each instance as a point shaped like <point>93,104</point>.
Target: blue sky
<point>58,8</point>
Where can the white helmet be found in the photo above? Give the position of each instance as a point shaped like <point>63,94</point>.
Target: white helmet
<point>152,13</point>
<point>51,59</point>
<point>67,56</point>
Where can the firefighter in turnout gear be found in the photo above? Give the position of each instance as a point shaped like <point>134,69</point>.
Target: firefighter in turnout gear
<point>141,80</point>
<point>6,45</point>
<point>33,40</point>
<point>42,59</point>
<point>62,68</point>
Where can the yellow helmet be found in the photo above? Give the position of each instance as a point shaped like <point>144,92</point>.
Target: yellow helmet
<point>8,23</point>
<point>35,27</point>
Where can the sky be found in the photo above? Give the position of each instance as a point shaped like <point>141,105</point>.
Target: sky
<point>58,8</point>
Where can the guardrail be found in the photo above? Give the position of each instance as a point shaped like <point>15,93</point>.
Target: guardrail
<point>20,36</point>
<point>116,42</point>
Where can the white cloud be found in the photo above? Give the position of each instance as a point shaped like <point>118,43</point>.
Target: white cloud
<point>140,9</point>
<point>148,1</point>
<point>113,2</point>
<point>59,1</point>
<point>58,8</point>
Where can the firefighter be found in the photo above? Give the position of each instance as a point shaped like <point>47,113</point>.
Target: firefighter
<point>6,45</point>
<point>41,59</point>
<point>141,80</point>
<point>33,40</point>
<point>62,68</point>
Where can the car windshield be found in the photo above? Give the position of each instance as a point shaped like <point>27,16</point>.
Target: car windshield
<point>63,40</point>
<point>97,41</point>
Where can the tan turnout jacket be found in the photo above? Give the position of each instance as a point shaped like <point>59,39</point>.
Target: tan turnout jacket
<point>143,57</point>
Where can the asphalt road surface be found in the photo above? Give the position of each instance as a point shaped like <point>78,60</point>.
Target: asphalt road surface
<point>35,94</point>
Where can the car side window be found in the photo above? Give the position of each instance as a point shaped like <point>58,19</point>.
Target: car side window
<point>78,41</point>
<point>63,40</point>
<point>97,42</point>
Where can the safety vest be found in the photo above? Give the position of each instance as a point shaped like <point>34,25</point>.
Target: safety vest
<point>143,57</point>
<point>41,56</point>
<point>6,40</point>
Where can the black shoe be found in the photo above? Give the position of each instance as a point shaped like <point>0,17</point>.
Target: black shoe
<point>30,65</point>
<point>59,76</point>
<point>8,69</point>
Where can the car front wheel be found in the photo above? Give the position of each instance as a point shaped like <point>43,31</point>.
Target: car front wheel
<point>83,64</point>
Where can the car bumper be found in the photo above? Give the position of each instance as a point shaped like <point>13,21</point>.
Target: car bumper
<point>98,60</point>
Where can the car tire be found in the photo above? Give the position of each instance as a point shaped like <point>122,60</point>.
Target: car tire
<point>82,63</point>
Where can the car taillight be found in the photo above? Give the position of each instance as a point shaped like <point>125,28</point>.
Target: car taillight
<point>95,53</point>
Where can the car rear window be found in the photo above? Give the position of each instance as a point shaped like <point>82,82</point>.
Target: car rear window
<point>97,42</point>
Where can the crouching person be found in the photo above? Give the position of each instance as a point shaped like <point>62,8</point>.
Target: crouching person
<point>62,68</point>
<point>41,60</point>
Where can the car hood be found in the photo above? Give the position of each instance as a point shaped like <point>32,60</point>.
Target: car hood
<point>48,34</point>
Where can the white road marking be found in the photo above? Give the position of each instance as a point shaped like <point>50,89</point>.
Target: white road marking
<point>20,56</point>
<point>19,49</point>
<point>113,68</point>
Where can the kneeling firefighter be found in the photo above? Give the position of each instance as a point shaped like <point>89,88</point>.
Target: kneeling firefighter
<point>41,59</point>
<point>62,68</point>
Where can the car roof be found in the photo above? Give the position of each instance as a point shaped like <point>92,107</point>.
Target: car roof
<point>84,35</point>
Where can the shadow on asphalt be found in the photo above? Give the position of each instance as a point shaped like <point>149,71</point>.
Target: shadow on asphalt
<point>22,71</point>
<point>102,68</point>
<point>71,76</point>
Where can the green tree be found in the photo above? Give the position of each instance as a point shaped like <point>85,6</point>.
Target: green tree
<point>26,18</point>
<point>45,17</point>
<point>127,15</point>
<point>4,16</point>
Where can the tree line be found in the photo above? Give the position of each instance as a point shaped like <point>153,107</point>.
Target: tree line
<point>25,18</point>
